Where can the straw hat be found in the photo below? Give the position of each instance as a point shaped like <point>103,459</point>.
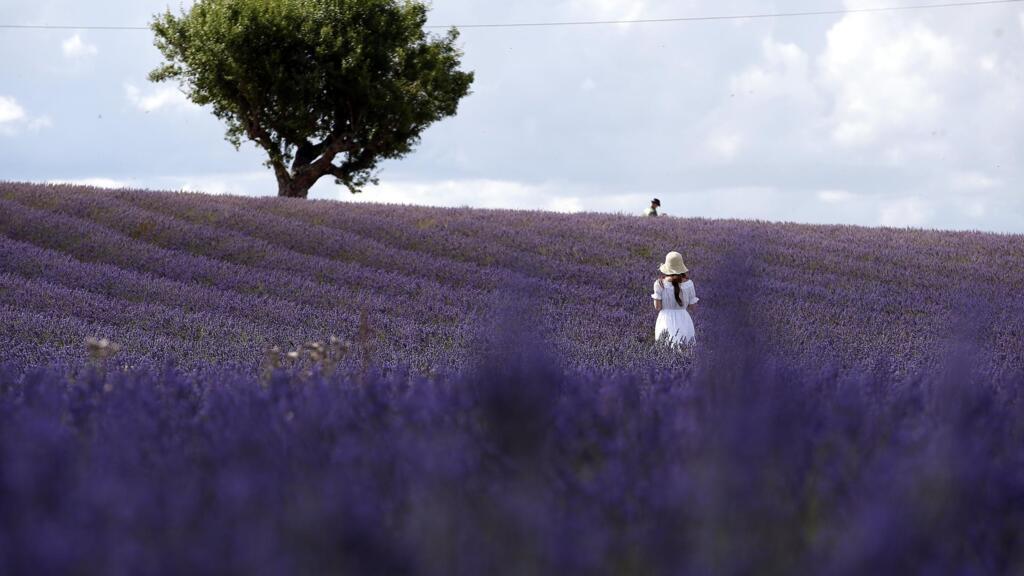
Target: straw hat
<point>673,265</point>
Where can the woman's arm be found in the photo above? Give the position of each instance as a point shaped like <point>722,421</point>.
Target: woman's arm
<point>657,305</point>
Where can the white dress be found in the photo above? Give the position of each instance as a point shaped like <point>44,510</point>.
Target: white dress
<point>673,318</point>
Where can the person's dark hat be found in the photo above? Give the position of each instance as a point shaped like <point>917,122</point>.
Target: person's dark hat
<point>656,202</point>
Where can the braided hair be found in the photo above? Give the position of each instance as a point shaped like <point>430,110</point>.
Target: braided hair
<point>676,280</point>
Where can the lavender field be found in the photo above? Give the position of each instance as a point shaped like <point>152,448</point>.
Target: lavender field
<point>204,279</point>
<point>493,400</point>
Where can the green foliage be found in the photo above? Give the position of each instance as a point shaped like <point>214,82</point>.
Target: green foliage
<point>315,81</point>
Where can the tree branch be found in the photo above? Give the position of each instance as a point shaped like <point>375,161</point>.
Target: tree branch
<point>260,135</point>
<point>329,149</point>
<point>365,160</point>
<point>306,153</point>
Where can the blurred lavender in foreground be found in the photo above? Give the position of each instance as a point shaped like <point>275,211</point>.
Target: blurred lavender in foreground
<point>745,465</point>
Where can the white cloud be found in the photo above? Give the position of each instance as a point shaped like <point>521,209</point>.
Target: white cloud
<point>212,186</point>
<point>453,193</point>
<point>611,9</point>
<point>989,62</point>
<point>835,196</point>
<point>256,183</point>
<point>94,182</point>
<point>887,98</point>
<point>480,193</point>
<point>975,208</point>
<point>161,97</point>
<point>238,184</point>
<point>38,123</point>
<point>967,181</point>
<point>566,205</point>
<point>887,77</point>
<point>75,48</point>
<point>878,85</point>
<point>10,110</point>
<point>774,100</point>
<point>725,146</point>
<point>13,118</point>
<point>905,212</point>
<point>783,73</point>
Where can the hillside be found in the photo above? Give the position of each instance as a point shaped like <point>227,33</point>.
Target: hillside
<point>220,279</point>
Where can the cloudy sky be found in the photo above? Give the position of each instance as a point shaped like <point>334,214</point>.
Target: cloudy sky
<point>909,118</point>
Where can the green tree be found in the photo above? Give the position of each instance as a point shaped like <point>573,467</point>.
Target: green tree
<point>325,87</point>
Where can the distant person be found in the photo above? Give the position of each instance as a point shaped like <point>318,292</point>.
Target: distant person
<point>674,294</point>
<point>653,210</point>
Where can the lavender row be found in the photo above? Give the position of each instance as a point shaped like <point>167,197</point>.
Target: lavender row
<point>89,242</point>
<point>250,238</point>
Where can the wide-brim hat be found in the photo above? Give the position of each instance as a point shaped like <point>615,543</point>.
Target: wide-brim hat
<point>673,265</point>
<point>656,202</point>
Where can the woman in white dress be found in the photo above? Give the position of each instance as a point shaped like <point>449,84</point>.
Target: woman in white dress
<point>674,294</point>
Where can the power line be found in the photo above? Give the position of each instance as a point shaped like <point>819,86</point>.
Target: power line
<point>607,22</point>
<point>737,17</point>
<point>62,27</point>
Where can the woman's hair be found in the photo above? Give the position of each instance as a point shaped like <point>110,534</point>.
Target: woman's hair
<point>676,280</point>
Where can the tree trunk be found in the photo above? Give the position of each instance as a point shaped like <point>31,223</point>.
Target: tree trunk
<point>293,187</point>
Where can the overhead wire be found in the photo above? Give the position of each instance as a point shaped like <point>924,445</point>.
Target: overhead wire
<point>837,12</point>
<point>766,15</point>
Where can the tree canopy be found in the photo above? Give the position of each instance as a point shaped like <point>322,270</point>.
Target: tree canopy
<point>325,87</point>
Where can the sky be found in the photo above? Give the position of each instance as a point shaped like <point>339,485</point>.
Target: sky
<point>903,119</point>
